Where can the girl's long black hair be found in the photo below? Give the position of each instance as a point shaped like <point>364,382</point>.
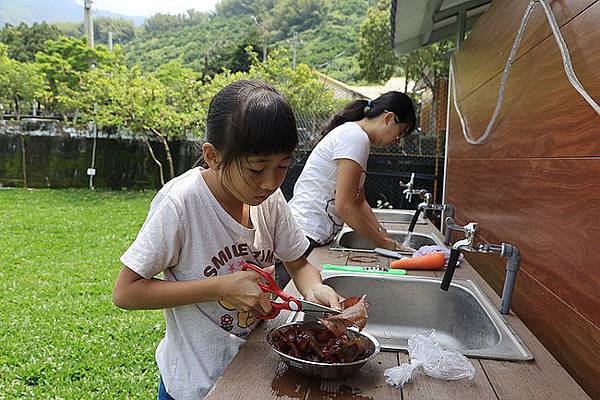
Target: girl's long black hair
<point>250,117</point>
<point>396,102</point>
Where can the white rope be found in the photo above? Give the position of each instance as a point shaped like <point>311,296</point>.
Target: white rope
<point>566,61</point>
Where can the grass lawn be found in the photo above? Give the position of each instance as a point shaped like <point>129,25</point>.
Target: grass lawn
<point>61,337</point>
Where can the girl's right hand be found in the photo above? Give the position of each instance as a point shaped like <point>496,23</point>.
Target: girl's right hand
<point>242,291</point>
<point>394,245</point>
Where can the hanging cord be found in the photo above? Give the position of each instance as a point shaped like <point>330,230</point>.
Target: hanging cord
<point>566,61</point>
<point>564,51</point>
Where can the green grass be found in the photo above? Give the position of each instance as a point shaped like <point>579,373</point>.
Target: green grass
<point>61,337</point>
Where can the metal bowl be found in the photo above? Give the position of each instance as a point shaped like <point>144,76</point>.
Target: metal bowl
<point>325,370</point>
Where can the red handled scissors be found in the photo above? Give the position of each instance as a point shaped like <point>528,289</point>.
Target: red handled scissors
<point>289,302</point>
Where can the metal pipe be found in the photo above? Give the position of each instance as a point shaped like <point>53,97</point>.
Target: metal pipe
<point>448,212</point>
<point>513,262</point>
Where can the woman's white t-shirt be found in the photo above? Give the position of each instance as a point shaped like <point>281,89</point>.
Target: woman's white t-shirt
<point>313,203</point>
<point>188,235</point>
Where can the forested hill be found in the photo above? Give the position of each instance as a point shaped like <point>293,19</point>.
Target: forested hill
<point>325,34</point>
<point>30,11</point>
<point>207,42</point>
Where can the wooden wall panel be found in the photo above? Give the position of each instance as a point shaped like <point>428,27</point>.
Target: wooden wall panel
<point>573,340</point>
<point>490,42</point>
<point>542,115</point>
<point>536,182</point>
<point>549,208</point>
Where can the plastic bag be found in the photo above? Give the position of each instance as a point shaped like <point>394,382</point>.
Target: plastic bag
<point>437,362</point>
<point>439,249</point>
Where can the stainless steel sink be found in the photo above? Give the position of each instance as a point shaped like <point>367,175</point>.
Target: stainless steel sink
<point>348,239</point>
<point>398,216</point>
<point>463,317</point>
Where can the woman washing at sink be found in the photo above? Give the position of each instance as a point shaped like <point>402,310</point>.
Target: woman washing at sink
<point>330,189</point>
<point>202,224</point>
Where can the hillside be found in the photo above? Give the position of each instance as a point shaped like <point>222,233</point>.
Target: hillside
<point>206,41</point>
<point>30,11</point>
<point>327,33</point>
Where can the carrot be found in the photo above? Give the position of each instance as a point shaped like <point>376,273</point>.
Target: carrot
<point>429,261</point>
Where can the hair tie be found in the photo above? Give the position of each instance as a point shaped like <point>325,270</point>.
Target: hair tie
<point>369,106</point>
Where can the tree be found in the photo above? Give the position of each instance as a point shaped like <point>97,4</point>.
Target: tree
<point>378,62</point>
<point>20,84</point>
<point>289,16</point>
<point>302,86</point>
<point>427,63</point>
<point>159,23</point>
<point>122,29</point>
<point>375,55</point>
<point>150,106</point>
<point>71,29</point>
<point>24,41</point>
<point>63,61</point>
<point>237,8</point>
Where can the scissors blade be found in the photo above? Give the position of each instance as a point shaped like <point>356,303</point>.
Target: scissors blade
<point>309,306</point>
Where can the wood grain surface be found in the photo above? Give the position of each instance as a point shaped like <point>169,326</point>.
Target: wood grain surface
<point>536,181</point>
<point>542,115</point>
<point>484,54</point>
<point>546,207</point>
<point>477,388</point>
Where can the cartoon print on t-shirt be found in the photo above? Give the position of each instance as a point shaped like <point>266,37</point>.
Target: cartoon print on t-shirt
<point>227,322</point>
<point>226,305</point>
<point>245,318</point>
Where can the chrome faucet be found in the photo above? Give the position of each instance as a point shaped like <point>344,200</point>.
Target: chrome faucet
<point>511,252</point>
<point>426,204</point>
<point>447,209</point>
<point>409,192</point>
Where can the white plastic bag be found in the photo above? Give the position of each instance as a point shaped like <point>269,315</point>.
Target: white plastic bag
<point>437,362</point>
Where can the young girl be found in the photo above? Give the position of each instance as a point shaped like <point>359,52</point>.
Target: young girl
<point>330,189</point>
<point>202,224</point>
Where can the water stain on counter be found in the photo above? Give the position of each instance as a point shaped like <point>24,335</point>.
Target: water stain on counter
<point>288,384</point>
<point>336,389</point>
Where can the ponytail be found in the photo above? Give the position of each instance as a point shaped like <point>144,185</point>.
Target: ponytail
<point>397,102</point>
<point>354,111</point>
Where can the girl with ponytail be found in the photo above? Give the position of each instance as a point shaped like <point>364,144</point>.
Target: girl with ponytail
<point>330,189</point>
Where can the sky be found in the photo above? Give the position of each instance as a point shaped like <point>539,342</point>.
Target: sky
<point>146,8</point>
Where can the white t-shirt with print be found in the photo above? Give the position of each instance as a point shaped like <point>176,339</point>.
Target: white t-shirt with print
<point>188,235</point>
<point>313,203</point>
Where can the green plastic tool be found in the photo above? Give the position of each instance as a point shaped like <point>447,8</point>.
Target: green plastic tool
<point>366,269</point>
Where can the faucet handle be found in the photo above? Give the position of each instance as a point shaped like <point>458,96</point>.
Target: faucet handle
<point>470,231</point>
<point>427,200</point>
<point>453,225</point>
<point>409,185</point>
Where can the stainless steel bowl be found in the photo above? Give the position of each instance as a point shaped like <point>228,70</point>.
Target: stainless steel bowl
<point>325,370</point>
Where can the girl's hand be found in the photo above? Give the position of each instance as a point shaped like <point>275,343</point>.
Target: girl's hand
<point>242,291</point>
<point>394,245</point>
<point>325,295</point>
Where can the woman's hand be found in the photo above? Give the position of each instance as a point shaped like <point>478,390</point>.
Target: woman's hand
<point>242,291</point>
<point>325,295</point>
<point>394,245</point>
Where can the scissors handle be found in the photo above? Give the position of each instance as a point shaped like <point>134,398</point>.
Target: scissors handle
<point>289,301</point>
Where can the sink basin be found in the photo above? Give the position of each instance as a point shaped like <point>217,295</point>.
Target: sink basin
<point>398,216</point>
<point>348,239</point>
<point>463,317</point>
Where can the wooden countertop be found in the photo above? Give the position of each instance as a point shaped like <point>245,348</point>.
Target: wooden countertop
<point>257,373</point>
